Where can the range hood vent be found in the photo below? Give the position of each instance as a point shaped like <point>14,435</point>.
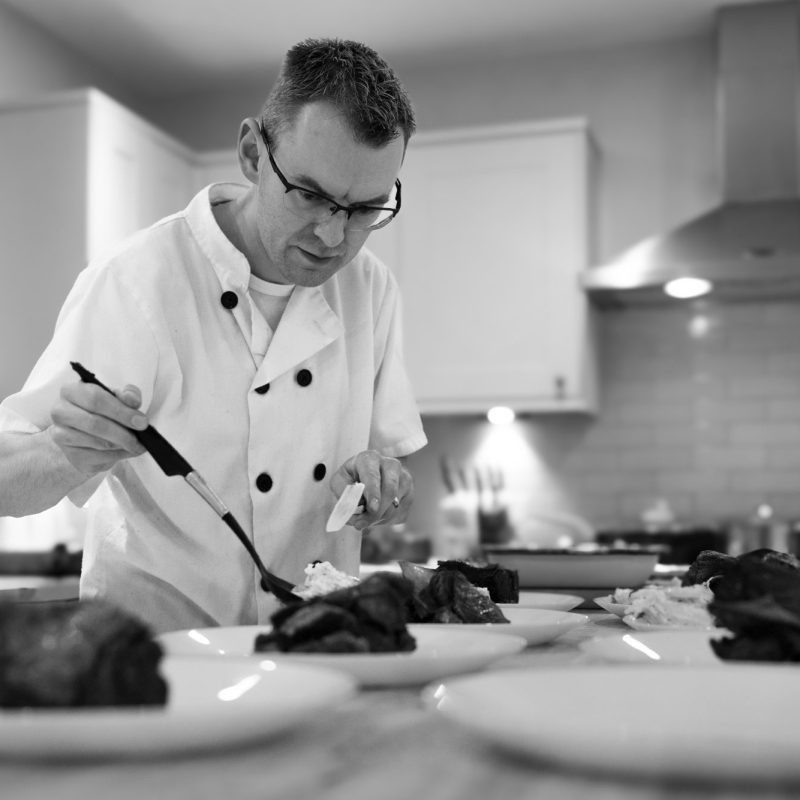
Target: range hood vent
<point>748,247</point>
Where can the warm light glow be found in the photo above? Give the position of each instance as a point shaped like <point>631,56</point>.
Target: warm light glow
<point>683,288</point>
<point>501,415</point>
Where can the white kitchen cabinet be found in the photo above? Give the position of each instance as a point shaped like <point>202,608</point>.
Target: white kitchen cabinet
<point>492,235</point>
<point>79,171</point>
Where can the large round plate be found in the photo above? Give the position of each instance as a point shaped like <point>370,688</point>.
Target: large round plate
<point>439,653</point>
<point>729,723</point>
<point>552,601</point>
<point>535,625</point>
<point>656,647</point>
<point>212,704</point>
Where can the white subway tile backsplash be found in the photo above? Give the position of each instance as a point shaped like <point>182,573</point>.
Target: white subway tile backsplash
<point>705,416</point>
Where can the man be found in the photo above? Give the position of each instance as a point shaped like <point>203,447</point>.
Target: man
<point>259,336</point>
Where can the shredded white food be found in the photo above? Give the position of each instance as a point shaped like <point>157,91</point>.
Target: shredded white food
<point>322,577</point>
<point>668,604</point>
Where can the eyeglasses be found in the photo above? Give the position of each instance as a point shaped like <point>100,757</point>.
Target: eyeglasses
<point>316,207</point>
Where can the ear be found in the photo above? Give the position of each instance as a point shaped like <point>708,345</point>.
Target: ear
<point>249,149</point>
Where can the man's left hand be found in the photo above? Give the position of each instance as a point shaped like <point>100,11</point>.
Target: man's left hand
<point>388,488</point>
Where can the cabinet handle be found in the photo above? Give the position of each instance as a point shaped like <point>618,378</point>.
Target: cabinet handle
<point>560,387</point>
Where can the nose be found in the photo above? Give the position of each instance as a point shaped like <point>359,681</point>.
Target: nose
<point>331,230</point>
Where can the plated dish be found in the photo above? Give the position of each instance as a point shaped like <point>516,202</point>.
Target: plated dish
<point>733,723</point>
<point>535,625</point>
<point>665,606</point>
<point>575,568</point>
<point>440,652</point>
<point>213,704</point>
<point>656,647</point>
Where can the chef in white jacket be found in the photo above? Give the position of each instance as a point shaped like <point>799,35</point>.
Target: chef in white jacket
<point>261,337</point>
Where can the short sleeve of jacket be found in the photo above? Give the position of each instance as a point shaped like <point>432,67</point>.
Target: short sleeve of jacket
<point>104,325</point>
<point>396,425</point>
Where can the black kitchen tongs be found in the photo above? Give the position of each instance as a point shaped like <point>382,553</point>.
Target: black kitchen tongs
<point>173,463</point>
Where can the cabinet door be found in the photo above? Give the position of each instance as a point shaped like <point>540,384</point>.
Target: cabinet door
<point>43,165</point>
<point>137,174</point>
<point>490,240</point>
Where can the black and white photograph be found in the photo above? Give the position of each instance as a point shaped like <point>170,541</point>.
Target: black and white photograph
<point>400,400</point>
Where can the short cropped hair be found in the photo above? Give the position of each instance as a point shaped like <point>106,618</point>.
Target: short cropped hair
<point>350,76</point>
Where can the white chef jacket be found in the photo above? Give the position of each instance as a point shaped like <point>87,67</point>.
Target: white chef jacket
<point>169,311</point>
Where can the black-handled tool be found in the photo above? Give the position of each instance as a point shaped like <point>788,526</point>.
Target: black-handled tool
<point>173,463</point>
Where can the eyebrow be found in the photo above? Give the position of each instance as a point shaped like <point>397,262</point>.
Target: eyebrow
<point>307,182</point>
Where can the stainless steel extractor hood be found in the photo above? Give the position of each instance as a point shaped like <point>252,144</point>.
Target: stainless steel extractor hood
<point>748,247</point>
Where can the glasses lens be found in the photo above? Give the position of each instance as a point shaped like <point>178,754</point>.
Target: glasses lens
<point>366,219</point>
<point>316,208</point>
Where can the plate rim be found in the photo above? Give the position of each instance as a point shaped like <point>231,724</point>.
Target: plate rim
<point>566,743</point>
<point>133,733</point>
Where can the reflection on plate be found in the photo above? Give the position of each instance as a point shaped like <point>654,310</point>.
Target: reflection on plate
<point>439,653</point>
<point>656,647</point>
<point>213,704</point>
<point>730,723</point>
<point>535,625</point>
<point>554,601</point>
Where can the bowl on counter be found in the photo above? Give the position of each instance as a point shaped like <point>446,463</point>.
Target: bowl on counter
<point>575,568</point>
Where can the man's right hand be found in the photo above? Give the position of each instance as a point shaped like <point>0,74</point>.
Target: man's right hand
<point>92,427</point>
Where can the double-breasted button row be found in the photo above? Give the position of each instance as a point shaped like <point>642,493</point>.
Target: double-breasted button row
<point>264,481</point>
<point>303,378</point>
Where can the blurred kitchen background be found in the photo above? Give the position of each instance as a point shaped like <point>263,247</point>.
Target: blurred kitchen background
<point>633,411</point>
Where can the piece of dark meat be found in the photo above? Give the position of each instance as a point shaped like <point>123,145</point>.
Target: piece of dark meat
<point>502,583</point>
<point>708,564</point>
<point>86,653</point>
<point>368,617</point>
<point>450,597</point>
<point>758,600</point>
<point>712,564</point>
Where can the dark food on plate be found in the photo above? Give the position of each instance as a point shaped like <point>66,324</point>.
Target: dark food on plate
<point>711,564</point>
<point>756,598</point>
<point>447,597</point>
<point>502,583</point>
<point>369,617</point>
<point>69,654</point>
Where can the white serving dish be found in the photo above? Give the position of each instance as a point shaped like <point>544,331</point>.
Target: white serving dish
<point>574,569</point>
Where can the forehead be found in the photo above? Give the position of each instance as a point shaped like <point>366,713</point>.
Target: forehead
<point>321,148</point>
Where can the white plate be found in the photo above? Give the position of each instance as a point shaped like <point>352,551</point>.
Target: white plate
<point>656,647</point>
<point>554,601</point>
<point>731,723</point>
<point>534,625</point>
<point>439,653</point>
<point>212,704</point>
<point>606,602</point>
